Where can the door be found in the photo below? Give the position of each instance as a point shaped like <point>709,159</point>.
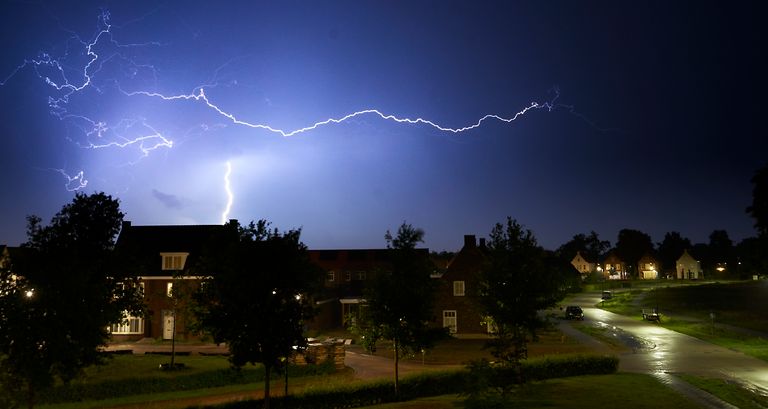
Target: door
<point>449,320</point>
<point>169,324</point>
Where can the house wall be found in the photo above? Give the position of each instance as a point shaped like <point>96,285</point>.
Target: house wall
<point>582,265</point>
<point>465,267</point>
<point>688,268</point>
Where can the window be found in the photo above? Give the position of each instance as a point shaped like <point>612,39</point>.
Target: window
<point>458,288</point>
<point>130,325</point>
<point>348,276</point>
<point>173,261</point>
<point>360,275</point>
<point>330,276</point>
<point>169,290</point>
<point>449,320</point>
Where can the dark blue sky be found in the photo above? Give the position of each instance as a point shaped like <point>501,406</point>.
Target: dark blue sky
<point>659,124</point>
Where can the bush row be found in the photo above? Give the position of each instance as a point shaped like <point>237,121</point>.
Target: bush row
<point>431,384</point>
<point>77,392</point>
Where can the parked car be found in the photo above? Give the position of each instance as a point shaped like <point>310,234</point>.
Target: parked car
<point>574,312</point>
<point>607,295</point>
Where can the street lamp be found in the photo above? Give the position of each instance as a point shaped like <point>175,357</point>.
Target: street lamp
<point>29,293</point>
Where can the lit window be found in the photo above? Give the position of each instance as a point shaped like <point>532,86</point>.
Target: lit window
<point>458,288</point>
<point>331,276</point>
<point>130,325</point>
<point>174,261</point>
<point>169,290</point>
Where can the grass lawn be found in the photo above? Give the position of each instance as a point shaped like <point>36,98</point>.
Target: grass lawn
<point>121,367</point>
<point>128,379</point>
<point>604,391</point>
<point>727,391</point>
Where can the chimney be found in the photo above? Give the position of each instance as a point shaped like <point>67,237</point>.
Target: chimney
<point>469,241</point>
<point>482,242</point>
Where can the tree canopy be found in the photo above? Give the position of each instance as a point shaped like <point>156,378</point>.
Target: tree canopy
<point>518,281</point>
<point>631,246</point>
<point>589,245</point>
<point>61,293</point>
<point>399,300</point>
<point>671,249</point>
<point>256,294</point>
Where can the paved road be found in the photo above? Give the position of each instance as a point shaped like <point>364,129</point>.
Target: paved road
<point>662,352</point>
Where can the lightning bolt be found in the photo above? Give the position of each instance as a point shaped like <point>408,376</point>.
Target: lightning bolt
<point>201,96</point>
<point>138,134</point>
<point>230,196</point>
<point>74,183</point>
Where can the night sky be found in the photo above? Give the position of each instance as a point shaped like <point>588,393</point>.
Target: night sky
<point>651,115</point>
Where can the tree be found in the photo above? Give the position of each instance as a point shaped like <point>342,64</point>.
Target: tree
<point>590,246</point>
<point>759,208</point>
<point>631,246</point>
<point>399,300</point>
<point>722,252</point>
<point>517,282</point>
<point>752,256</point>
<point>671,249</point>
<point>64,292</point>
<point>255,294</point>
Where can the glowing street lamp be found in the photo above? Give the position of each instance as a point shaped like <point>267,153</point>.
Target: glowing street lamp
<point>29,293</point>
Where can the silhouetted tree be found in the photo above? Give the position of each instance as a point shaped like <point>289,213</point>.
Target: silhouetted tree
<point>631,246</point>
<point>759,208</point>
<point>590,246</point>
<point>671,249</point>
<point>255,294</point>
<point>400,300</point>
<point>58,300</point>
<point>721,251</point>
<point>752,256</point>
<point>517,282</point>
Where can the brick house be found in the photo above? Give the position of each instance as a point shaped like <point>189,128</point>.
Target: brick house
<point>455,303</point>
<point>614,267</point>
<point>347,273</point>
<point>163,256</point>
<point>648,267</point>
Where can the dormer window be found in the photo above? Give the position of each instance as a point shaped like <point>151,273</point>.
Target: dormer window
<point>174,261</point>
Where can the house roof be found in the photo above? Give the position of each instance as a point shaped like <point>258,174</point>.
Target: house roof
<point>145,243</point>
<point>586,258</point>
<point>613,258</point>
<point>469,259</point>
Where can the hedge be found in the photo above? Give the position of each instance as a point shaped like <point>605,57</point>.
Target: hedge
<point>431,384</point>
<point>77,392</point>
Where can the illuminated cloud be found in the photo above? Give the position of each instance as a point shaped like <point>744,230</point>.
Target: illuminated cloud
<point>168,200</point>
